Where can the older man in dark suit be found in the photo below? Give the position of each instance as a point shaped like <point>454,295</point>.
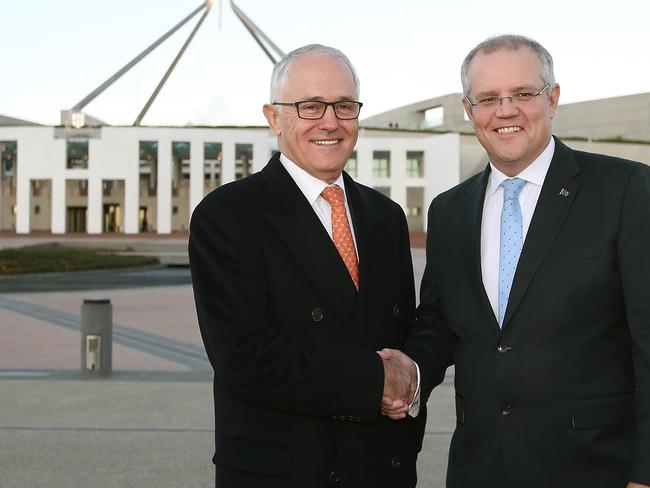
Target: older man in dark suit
<point>537,289</point>
<point>300,275</point>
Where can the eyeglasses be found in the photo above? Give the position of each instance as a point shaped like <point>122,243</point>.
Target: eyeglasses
<point>518,99</point>
<point>315,109</point>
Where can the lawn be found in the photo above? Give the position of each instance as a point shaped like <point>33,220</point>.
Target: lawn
<point>50,258</point>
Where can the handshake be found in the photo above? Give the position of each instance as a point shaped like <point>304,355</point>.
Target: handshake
<point>400,383</point>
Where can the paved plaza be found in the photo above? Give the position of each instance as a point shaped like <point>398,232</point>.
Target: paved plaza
<point>151,423</point>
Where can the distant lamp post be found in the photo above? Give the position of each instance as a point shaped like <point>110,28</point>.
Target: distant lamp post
<point>77,120</point>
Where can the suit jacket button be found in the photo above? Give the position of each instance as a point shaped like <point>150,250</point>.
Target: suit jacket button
<point>395,462</point>
<point>317,315</point>
<point>503,349</point>
<point>395,311</point>
<point>506,411</point>
<point>334,477</point>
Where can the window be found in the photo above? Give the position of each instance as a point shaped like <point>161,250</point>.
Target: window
<point>8,161</point>
<point>433,117</point>
<point>351,166</point>
<point>212,158</point>
<point>180,161</point>
<point>77,153</point>
<point>107,188</point>
<point>148,167</point>
<point>414,164</point>
<point>414,206</point>
<point>381,164</point>
<point>148,154</point>
<point>37,187</point>
<point>243,160</point>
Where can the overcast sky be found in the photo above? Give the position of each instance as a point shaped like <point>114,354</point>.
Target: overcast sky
<point>56,52</point>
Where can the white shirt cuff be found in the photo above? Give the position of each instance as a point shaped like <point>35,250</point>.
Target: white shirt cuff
<point>414,407</point>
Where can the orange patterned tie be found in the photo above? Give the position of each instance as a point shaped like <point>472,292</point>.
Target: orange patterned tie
<point>341,234</point>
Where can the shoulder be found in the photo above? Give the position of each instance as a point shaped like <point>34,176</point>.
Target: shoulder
<point>604,162</point>
<point>456,194</point>
<point>232,199</point>
<point>607,167</point>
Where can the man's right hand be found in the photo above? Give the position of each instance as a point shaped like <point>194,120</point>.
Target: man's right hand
<point>400,383</point>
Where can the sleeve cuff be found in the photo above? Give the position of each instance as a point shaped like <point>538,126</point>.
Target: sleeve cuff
<point>414,407</point>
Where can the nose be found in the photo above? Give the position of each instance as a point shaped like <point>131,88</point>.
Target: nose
<point>329,120</point>
<point>507,107</point>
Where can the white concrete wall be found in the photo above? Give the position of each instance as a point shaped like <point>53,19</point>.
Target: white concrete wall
<point>441,163</point>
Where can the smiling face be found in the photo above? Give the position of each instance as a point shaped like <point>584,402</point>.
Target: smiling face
<point>513,134</point>
<point>320,147</point>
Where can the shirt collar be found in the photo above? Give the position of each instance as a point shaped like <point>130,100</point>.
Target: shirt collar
<point>310,186</point>
<point>534,173</point>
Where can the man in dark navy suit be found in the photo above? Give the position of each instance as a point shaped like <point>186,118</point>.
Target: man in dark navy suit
<point>300,274</point>
<point>537,290</point>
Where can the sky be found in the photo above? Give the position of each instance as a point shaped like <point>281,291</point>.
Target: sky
<point>54,53</point>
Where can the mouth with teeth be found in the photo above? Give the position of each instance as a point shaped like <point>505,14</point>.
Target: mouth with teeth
<point>508,130</point>
<point>326,142</point>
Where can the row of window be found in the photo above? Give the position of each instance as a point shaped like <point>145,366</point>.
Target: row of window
<point>77,158</point>
<point>381,164</point>
<point>78,154</point>
<point>212,156</point>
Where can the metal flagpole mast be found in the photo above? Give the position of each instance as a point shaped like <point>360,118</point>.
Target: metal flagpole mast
<point>91,96</point>
<point>257,33</point>
<point>163,80</point>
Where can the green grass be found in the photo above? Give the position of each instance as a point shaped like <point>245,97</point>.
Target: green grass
<point>50,258</point>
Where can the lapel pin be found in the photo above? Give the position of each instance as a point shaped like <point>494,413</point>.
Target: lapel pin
<point>564,192</point>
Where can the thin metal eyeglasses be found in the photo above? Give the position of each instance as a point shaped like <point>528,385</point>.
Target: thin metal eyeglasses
<point>315,109</point>
<point>515,99</point>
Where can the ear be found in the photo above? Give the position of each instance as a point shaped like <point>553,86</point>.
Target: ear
<point>554,99</point>
<point>468,111</point>
<point>272,117</point>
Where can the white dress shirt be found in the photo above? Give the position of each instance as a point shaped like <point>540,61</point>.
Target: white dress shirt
<point>312,188</point>
<point>534,176</point>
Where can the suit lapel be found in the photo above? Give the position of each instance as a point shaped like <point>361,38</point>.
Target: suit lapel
<point>558,192</point>
<point>472,238</point>
<point>370,229</point>
<point>297,225</point>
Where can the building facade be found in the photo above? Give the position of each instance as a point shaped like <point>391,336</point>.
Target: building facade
<point>102,180</point>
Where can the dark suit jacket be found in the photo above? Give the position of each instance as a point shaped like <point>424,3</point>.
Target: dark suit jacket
<point>560,397</point>
<point>298,383</point>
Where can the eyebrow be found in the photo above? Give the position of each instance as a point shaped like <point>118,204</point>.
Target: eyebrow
<point>517,89</point>
<point>322,99</point>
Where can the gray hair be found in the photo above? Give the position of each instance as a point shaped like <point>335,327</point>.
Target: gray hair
<point>281,70</point>
<point>510,42</point>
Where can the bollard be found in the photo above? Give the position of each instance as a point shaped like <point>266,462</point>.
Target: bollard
<point>96,338</point>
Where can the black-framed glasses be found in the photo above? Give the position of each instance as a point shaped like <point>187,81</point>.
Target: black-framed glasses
<point>315,109</point>
<point>519,98</point>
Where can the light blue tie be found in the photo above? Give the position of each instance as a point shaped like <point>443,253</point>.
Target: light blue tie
<point>511,240</point>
